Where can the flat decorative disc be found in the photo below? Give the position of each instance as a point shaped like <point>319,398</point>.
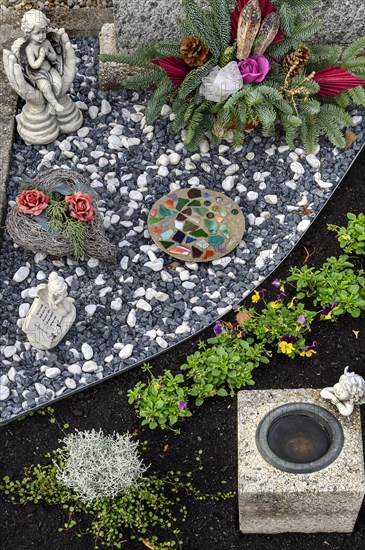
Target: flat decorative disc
<point>196,225</point>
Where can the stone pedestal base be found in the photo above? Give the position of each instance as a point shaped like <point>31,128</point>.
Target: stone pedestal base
<point>273,501</point>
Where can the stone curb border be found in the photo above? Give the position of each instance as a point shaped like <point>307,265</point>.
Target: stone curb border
<point>78,23</point>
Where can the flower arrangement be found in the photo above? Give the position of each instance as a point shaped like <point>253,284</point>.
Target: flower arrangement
<point>55,213</point>
<point>243,63</point>
<point>59,213</point>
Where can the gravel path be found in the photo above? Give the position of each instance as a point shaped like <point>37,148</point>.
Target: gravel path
<point>148,301</point>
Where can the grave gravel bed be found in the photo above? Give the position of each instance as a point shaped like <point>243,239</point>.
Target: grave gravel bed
<point>148,300</point>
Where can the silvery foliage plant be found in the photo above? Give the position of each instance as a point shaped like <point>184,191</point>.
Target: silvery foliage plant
<point>99,466</point>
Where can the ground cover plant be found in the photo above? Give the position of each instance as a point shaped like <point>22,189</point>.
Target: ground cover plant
<point>211,428</point>
<point>247,63</point>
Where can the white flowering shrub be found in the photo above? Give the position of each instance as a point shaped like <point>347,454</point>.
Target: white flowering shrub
<point>97,465</point>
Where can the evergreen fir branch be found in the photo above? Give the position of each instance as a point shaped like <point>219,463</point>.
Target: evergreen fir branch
<point>161,95</point>
<point>358,95</point>
<point>143,81</point>
<point>357,64</point>
<point>309,132</point>
<point>138,58</point>
<point>194,78</point>
<point>222,10</point>
<point>353,50</point>
<point>273,96</point>
<point>323,55</point>
<point>75,231</point>
<point>287,19</point>
<point>185,27</point>
<point>204,125</point>
<point>238,139</point>
<point>228,55</point>
<point>291,120</point>
<point>203,23</point>
<point>179,107</point>
<point>189,110</point>
<point>291,133</point>
<point>254,96</point>
<point>343,99</point>
<point>337,114</point>
<point>305,30</point>
<point>267,117</point>
<point>165,49</point>
<point>298,6</point>
<point>56,212</point>
<point>238,96</point>
<point>310,107</point>
<point>280,49</point>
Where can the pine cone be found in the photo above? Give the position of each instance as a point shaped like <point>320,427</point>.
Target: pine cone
<point>294,62</point>
<point>194,51</point>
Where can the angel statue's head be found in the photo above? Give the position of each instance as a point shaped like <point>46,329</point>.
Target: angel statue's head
<point>34,20</point>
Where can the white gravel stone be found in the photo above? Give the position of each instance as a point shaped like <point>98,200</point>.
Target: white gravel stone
<point>100,281</point>
<point>231,170</point>
<point>116,305</point>
<point>250,156</point>
<point>106,108</point>
<point>4,393</point>
<point>93,262</point>
<point>70,383</point>
<point>90,309</point>
<point>93,112</point>
<point>142,180</point>
<point>184,275</point>
<point>126,352</point>
<point>228,183</point>
<point>142,304</point>
<point>313,161</point>
<point>52,372</point>
<point>252,196</point>
<point>156,265</point>
<point>356,120</point>
<point>325,184</point>
<point>87,351</point>
<point>189,165</point>
<point>271,199</point>
<point>291,184</point>
<point>151,334</point>
<point>163,160</point>
<point>23,309</point>
<point>162,296</point>
<point>74,369</point>
<point>174,159</point>
<point>9,351</point>
<point>163,171</point>
<point>89,366</point>
<point>204,146</point>
<point>140,292</point>
<point>303,226</point>
<point>135,195</point>
<point>12,374</point>
<point>132,318</point>
<point>40,389</point>
<point>161,342</point>
<point>297,168</point>
<point>182,329</point>
<point>21,274</point>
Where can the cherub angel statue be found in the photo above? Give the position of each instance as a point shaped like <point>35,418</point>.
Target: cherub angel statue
<point>41,67</point>
<point>51,314</point>
<point>349,390</point>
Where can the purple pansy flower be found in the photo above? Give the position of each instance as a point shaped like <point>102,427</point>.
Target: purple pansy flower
<point>281,296</point>
<point>235,307</point>
<point>254,68</point>
<point>289,339</point>
<point>262,293</point>
<point>243,334</point>
<point>218,329</point>
<point>301,319</point>
<point>276,283</point>
<point>182,405</point>
<point>328,309</point>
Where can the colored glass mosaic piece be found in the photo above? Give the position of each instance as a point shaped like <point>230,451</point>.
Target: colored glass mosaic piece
<point>224,230</point>
<point>154,220</point>
<point>182,250</point>
<point>210,215</point>
<point>187,211</point>
<point>167,244</point>
<point>164,211</point>
<point>179,225</point>
<point>178,237</point>
<point>166,222</point>
<point>208,254</point>
<point>223,213</point>
<point>190,240</point>
<point>194,193</point>
<point>219,199</point>
<point>206,194</point>
<point>212,226</point>
<point>181,203</point>
<point>194,203</point>
<point>199,233</point>
<point>167,234</point>
<point>234,212</point>
<point>201,211</point>
<point>220,249</point>
<point>215,208</point>
<point>190,226</point>
<point>196,252</point>
<point>156,230</point>
<point>169,204</point>
<point>202,244</point>
<point>218,218</point>
<point>173,196</point>
<point>153,212</point>
<point>180,217</point>
<point>216,240</point>
<point>207,203</point>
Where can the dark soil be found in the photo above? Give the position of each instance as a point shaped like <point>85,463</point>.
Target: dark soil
<point>212,427</point>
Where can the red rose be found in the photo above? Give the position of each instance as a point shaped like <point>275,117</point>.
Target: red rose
<point>31,201</point>
<point>81,206</point>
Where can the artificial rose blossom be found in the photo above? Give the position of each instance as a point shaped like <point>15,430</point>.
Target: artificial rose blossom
<point>81,206</point>
<point>220,84</point>
<point>32,201</point>
<point>254,68</point>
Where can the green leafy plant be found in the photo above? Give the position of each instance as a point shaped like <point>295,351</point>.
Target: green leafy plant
<point>161,402</point>
<point>305,87</point>
<point>335,283</point>
<point>147,511</point>
<point>352,237</point>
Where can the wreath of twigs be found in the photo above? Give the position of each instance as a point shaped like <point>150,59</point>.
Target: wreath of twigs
<point>29,234</point>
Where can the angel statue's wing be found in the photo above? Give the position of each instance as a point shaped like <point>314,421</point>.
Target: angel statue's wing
<point>56,44</point>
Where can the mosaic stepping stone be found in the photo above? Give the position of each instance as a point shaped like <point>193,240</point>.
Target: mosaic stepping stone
<point>196,225</point>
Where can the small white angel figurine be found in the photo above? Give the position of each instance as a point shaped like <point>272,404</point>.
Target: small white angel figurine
<point>349,390</point>
<point>41,67</point>
<point>51,315</point>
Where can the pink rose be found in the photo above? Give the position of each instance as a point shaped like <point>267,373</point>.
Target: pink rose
<point>254,68</point>
<point>31,201</point>
<point>81,206</point>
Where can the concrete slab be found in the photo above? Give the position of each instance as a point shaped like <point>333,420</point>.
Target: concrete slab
<point>274,501</point>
